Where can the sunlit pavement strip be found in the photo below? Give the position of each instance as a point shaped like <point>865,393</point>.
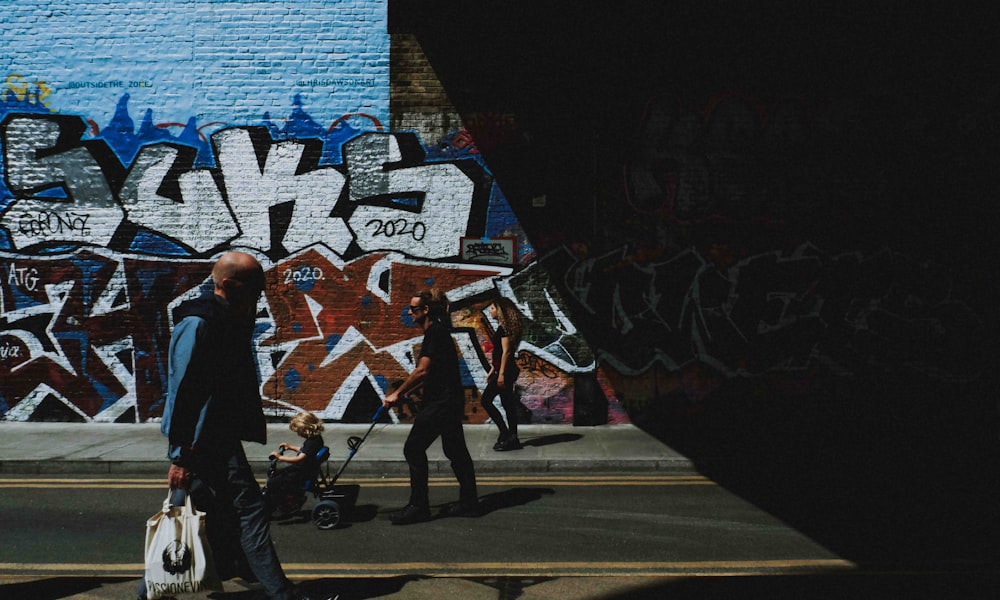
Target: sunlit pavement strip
<point>474,569</point>
<point>148,483</point>
<point>568,569</point>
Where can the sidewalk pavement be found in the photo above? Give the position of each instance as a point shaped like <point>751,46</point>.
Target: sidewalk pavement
<point>116,448</point>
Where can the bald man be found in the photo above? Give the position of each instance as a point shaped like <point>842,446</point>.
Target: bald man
<point>213,405</point>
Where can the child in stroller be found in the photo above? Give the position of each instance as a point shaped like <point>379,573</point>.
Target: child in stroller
<point>284,491</point>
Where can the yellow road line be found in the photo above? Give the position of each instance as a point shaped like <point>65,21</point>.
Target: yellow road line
<point>122,483</point>
<point>583,568</point>
<point>588,566</point>
<point>638,477</point>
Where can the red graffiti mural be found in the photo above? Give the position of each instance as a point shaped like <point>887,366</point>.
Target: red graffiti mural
<point>87,333</point>
<point>337,318</point>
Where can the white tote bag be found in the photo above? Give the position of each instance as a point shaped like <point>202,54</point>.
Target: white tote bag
<point>178,557</point>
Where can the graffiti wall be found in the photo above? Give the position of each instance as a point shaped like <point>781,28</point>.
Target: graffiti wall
<point>751,237</point>
<point>210,126</point>
<point>733,236</point>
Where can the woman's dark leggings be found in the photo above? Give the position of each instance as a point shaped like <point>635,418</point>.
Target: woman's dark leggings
<point>508,426</point>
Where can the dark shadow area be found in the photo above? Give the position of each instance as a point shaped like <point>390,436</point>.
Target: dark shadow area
<point>510,588</point>
<point>859,405</point>
<point>363,513</point>
<point>839,586</point>
<point>342,588</point>
<point>511,498</point>
<point>356,589</point>
<point>888,472</point>
<point>912,586</point>
<point>548,440</point>
<point>488,503</point>
<point>51,589</point>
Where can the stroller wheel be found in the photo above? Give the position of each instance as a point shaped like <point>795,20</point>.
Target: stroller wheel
<point>326,514</point>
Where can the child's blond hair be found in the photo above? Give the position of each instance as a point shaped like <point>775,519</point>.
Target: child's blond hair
<point>306,424</point>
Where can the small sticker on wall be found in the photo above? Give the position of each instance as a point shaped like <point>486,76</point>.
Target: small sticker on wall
<point>500,251</point>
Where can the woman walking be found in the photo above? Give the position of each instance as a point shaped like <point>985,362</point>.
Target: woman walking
<point>503,373</point>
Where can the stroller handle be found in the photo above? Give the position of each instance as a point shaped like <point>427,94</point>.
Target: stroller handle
<point>354,444</point>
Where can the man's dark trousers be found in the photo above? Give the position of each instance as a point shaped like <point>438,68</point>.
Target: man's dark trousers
<point>427,427</point>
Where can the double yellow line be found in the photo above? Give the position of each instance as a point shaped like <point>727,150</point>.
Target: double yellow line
<point>569,569</point>
<point>567,480</point>
<point>476,569</point>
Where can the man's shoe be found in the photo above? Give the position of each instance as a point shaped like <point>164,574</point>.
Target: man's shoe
<point>511,443</point>
<point>298,594</point>
<point>469,508</point>
<point>411,514</point>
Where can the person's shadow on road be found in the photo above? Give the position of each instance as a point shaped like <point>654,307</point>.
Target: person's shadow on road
<point>548,440</point>
<point>487,504</point>
<point>511,498</point>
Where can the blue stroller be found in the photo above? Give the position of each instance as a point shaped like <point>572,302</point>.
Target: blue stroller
<point>332,501</point>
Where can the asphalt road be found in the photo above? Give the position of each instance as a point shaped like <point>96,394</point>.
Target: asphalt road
<point>566,538</point>
<point>632,529</point>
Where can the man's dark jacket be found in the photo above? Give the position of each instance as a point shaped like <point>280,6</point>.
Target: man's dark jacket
<point>213,397</point>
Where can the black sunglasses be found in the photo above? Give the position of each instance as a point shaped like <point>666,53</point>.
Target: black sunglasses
<point>416,308</point>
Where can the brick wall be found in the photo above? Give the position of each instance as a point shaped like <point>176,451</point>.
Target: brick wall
<point>698,246</point>
<point>300,132</point>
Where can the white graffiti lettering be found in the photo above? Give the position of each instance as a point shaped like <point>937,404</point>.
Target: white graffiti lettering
<point>9,351</point>
<point>205,209</point>
<point>24,277</point>
<point>200,219</point>
<point>32,167</point>
<point>303,274</point>
<point>253,188</point>
<point>445,189</point>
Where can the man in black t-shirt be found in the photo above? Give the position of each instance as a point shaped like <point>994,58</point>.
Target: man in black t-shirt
<point>440,412</point>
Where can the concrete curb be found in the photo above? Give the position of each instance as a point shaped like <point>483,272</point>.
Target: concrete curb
<point>140,449</point>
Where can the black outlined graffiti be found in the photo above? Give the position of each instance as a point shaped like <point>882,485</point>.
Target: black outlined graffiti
<point>45,154</point>
<point>267,195</point>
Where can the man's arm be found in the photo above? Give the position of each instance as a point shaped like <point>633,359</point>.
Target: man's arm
<point>412,382</point>
<point>185,399</point>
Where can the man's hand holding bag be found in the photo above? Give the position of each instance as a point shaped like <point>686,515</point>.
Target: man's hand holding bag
<point>178,558</point>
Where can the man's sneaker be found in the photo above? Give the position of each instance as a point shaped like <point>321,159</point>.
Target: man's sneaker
<point>411,514</point>
<point>468,508</point>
